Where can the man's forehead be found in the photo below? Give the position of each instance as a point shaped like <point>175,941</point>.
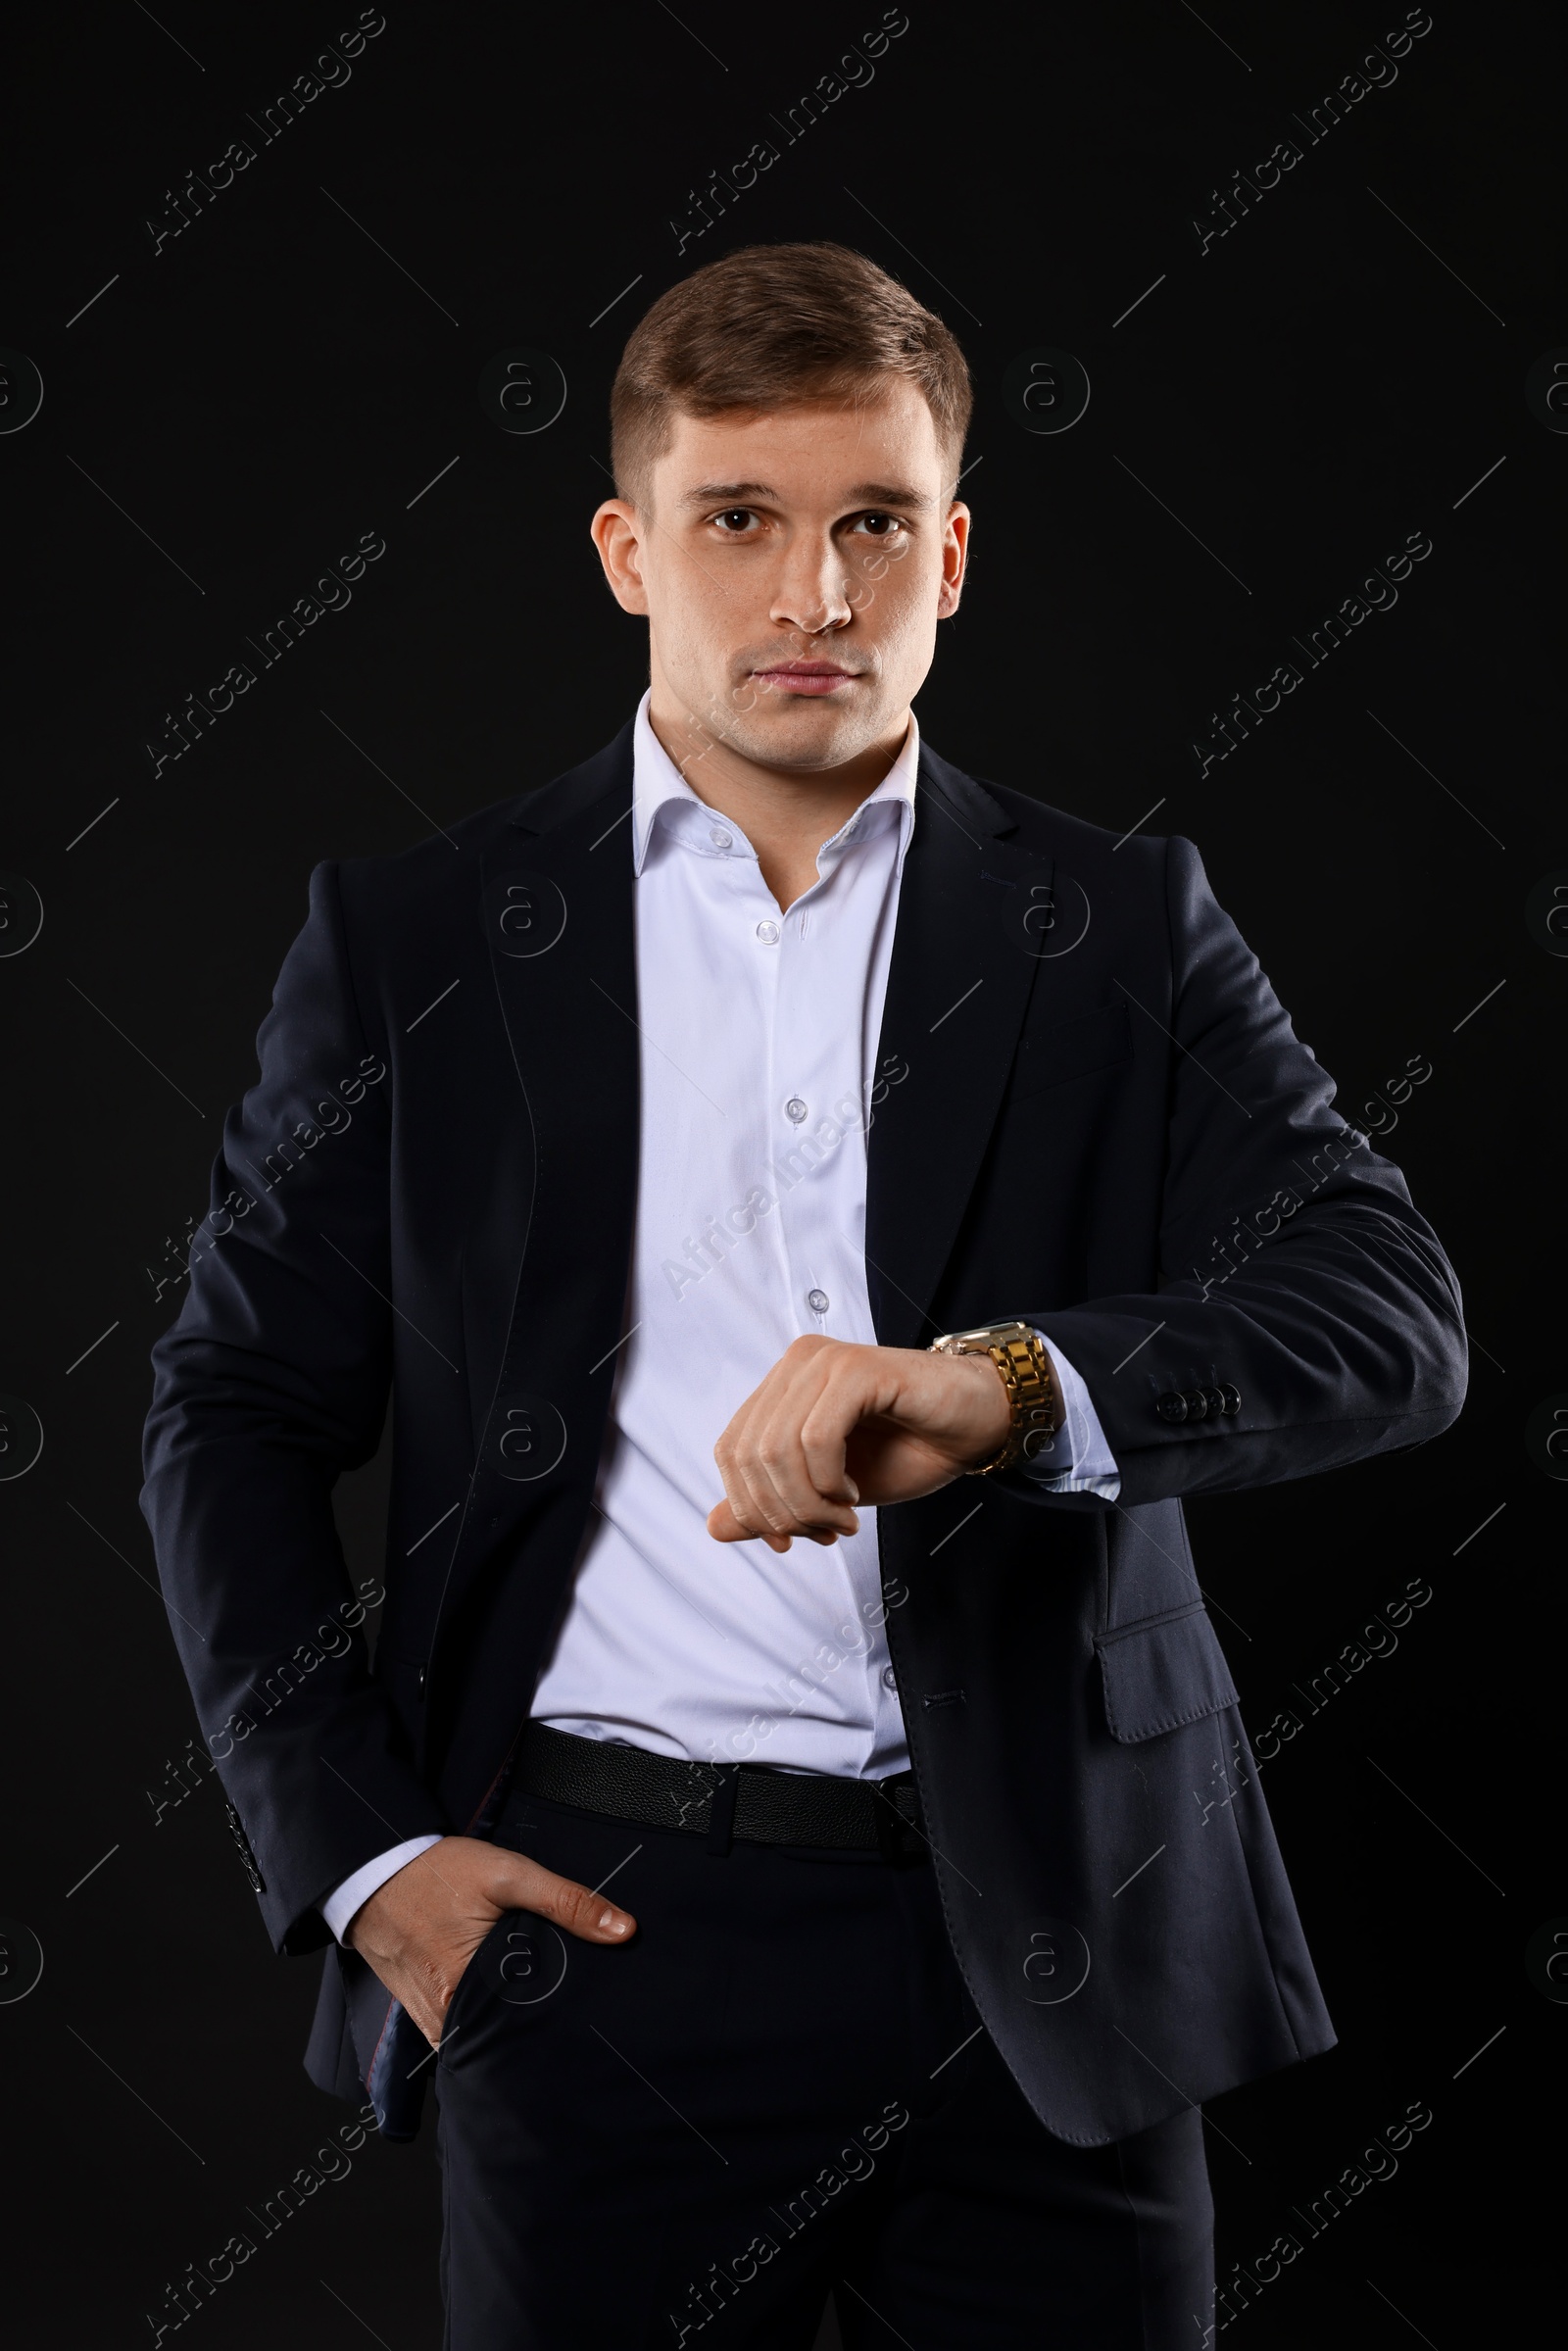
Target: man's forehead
<point>865,451</point>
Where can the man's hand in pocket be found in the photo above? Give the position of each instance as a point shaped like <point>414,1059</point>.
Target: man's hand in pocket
<point>420,1931</point>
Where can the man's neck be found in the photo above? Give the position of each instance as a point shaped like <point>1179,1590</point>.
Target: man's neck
<point>785,813</point>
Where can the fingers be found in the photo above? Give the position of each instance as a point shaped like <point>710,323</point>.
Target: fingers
<point>769,1500</point>
<point>782,1456</point>
<point>822,1444</point>
<point>725,1526</point>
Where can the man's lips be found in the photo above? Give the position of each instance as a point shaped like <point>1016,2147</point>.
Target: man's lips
<point>806,677</point>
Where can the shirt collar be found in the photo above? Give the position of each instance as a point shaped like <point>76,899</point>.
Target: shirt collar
<point>656,782</point>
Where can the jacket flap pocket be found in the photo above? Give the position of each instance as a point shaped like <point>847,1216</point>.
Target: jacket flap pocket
<point>1073,1048</point>
<point>1168,1671</point>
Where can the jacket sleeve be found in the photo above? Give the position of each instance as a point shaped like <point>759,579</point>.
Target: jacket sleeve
<point>272,1382</point>
<point>1294,1268</point>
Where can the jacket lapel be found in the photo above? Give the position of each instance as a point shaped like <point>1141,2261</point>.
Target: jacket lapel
<point>556,911</point>
<point>973,933</point>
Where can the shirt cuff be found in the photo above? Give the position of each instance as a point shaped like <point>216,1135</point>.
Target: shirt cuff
<point>340,1906</point>
<point>1090,1466</point>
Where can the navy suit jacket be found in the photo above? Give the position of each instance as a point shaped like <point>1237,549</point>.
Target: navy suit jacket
<point>1084,1082</point>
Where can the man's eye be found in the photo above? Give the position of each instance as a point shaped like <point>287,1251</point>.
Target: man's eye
<point>735,519</point>
<point>878,526</point>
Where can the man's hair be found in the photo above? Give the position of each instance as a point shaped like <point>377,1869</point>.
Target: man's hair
<point>774,327</point>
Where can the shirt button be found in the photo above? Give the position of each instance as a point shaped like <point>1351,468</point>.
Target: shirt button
<point>890,1680</point>
<point>817,1299</point>
<point>795,1109</point>
<point>721,840</point>
<point>768,932</point>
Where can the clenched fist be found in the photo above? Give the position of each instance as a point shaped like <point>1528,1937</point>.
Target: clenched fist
<point>833,1425</point>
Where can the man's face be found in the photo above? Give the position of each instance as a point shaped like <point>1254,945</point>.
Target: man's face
<point>793,567</point>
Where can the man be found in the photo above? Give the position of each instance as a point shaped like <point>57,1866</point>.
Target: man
<point>799,1789</point>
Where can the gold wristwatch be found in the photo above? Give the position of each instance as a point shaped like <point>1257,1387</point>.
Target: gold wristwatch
<point>1020,1357</point>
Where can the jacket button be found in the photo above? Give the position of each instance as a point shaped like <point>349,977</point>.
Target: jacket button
<point>1214,1399</point>
<point>1172,1406</point>
<point>1230,1400</point>
<point>420,1684</point>
<point>1197,1403</point>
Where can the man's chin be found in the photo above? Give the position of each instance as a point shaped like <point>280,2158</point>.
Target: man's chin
<point>802,735</point>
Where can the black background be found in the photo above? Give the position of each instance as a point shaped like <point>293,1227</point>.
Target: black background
<point>1272,419</point>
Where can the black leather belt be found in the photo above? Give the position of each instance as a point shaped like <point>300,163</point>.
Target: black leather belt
<point>747,1801</point>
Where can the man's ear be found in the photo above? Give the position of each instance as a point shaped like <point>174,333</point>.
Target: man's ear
<point>955,559</point>
<point>616,531</point>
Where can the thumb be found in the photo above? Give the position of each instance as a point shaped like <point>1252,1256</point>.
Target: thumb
<point>725,1526</point>
<point>529,1886</point>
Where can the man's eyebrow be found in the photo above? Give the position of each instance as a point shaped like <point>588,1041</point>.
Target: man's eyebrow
<point>861,493</point>
<point>887,493</point>
<point>726,493</point>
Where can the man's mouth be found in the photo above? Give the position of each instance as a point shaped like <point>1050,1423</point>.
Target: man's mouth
<point>805,677</point>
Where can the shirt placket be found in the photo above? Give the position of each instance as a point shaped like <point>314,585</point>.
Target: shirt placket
<point>801,1055</point>
<point>817,1048</point>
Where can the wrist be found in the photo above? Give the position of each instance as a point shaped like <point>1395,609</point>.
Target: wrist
<point>347,1908</point>
<point>1035,1406</point>
<point>991,1413</point>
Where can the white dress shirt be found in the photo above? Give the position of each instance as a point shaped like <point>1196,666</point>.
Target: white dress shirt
<point>759,1034</point>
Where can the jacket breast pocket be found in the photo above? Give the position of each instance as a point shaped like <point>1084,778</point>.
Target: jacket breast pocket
<point>1071,1049</point>
<point>1166,1671</point>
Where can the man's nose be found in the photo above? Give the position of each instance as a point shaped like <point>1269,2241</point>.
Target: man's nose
<point>814,590</point>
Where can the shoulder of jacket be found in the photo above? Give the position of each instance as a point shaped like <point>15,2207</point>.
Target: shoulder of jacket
<point>443,868</point>
<point>1052,831</point>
